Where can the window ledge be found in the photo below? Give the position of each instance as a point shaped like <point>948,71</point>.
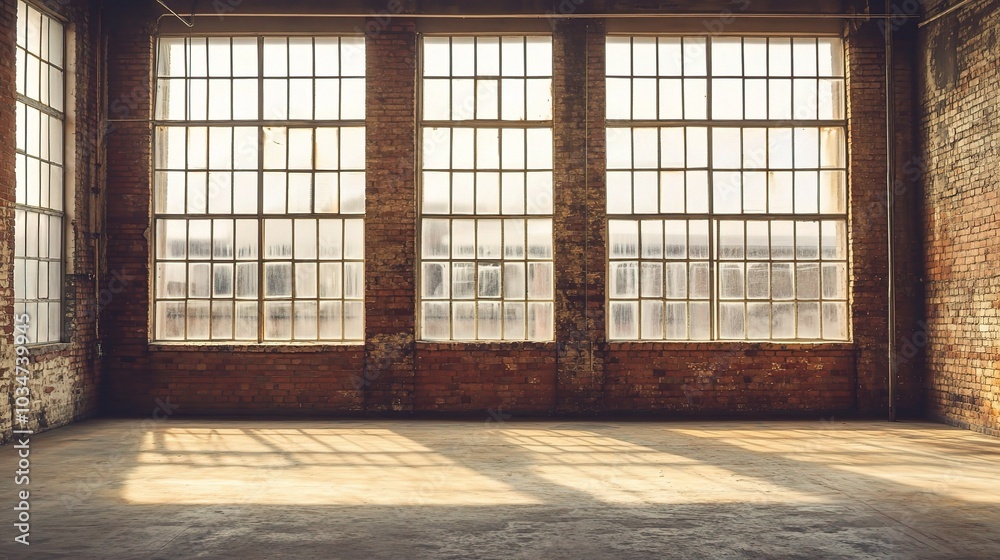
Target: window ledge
<point>737,346</point>
<point>47,349</point>
<point>264,348</point>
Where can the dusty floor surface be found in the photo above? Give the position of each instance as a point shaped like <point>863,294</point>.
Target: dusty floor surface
<point>370,489</point>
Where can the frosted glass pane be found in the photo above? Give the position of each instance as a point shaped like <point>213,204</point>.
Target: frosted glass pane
<point>540,280</point>
<point>514,286</point>
<point>731,242</point>
<point>354,320</point>
<point>695,99</point>
<point>807,280</point>
<point>277,239</point>
<point>700,321</point>
<point>463,99</point>
<point>512,197</point>
<point>624,279</point>
<point>171,280</point>
<point>512,100</point>
<point>463,193</point>
<point>246,281</point>
<point>463,239</point>
<point>300,148</point>
<point>437,148</point>
<point>539,193</point>
<point>436,190</point>
<point>514,321</point>
<point>464,320</point>
<point>809,320</point>
<point>675,239</point>
<point>489,280</point>
<point>646,187</point>
<point>199,239</point>
<point>490,242</point>
<point>623,238</point>
<point>463,56</point>
<point>619,192</point>
<point>514,239</point>
<point>624,320</point>
<point>305,239</point>
<point>676,275</point>
<point>487,148</point>
<point>779,99</point>
<point>805,98</point>
<point>540,321</point>
<point>539,239</point>
<point>804,56</point>
<point>222,320</point>
<point>222,280</point>
<point>652,320</point>
<point>170,321</point>
<point>354,239</point>
<point>199,317</point>
<point>275,147</point>
<point>305,280</point>
<point>246,239</point>
<point>512,149</point>
<point>327,99</point>
<point>436,239</point>
<point>220,99</point>
<point>699,281</point>
<point>435,321</point>
<point>698,239</point>
<point>487,99</point>
<point>246,321</point>
<point>278,280</point>
<point>244,56</point>
<point>437,56</point>
<point>697,191</point>
<point>675,315</point>
<point>782,240</point>
<point>727,55</point>
<point>754,192</point>
<point>727,99</point>
<point>352,99</point>
<point>833,192</point>
<point>275,56</point>
<point>331,325</point>
<point>490,321</point>
<point>306,320</point>
<point>618,53</point>
<point>782,281</point>
<point>331,280</point>
<point>331,239</point>
<point>731,281</point>
<point>539,148</point>
<point>652,238</point>
<point>807,240</point>
<point>833,149</point>
<point>835,280</point>
<point>732,320</point>
<point>278,321</point>
<point>352,192</point>
<point>539,100</point>
<point>463,280</point>
<point>619,98</point>
<point>487,193</point>
<point>758,321</point>
<point>651,281</point>
<point>435,280</point>
<point>488,56</point>
<point>758,281</point>
<point>835,321</point>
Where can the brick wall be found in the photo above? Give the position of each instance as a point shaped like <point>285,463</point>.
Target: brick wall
<point>960,139</point>
<point>580,373</point>
<point>65,378</point>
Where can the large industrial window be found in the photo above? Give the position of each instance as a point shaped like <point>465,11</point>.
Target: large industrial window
<point>486,189</point>
<point>726,181</point>
<point>38,203</point>
<point>259,189</point>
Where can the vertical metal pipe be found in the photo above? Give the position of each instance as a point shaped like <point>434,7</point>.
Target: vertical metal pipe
<point>890,179</point>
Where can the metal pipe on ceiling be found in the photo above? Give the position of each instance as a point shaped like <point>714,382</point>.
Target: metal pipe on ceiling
<point>175,14</point>
<point>657,15</point>
<point>934,18</point>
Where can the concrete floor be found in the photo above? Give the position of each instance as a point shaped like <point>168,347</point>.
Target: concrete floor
<point>506,490</point>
